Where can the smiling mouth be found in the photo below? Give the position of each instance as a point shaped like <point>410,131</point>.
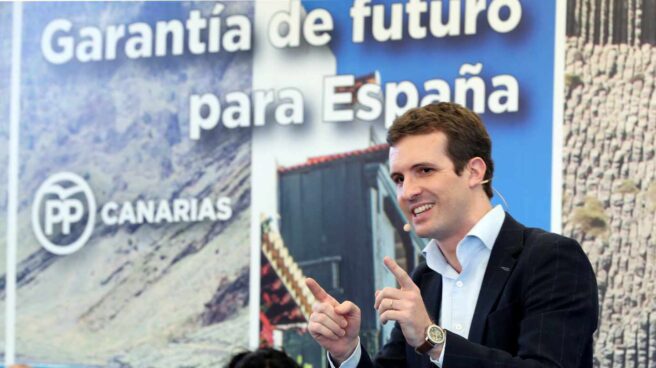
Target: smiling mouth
<point>422,209</point>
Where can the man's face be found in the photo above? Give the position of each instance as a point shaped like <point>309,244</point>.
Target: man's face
<point>432,196</point>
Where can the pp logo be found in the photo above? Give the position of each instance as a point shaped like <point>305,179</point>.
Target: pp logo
<point>60,220</point>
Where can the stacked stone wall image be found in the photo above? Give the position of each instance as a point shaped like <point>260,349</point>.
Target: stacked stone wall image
<point>609,190</point>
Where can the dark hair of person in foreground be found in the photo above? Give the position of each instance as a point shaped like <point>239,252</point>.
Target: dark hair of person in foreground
<point>262,358</point>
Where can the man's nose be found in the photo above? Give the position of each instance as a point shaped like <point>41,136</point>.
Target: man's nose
<point>410,189</point>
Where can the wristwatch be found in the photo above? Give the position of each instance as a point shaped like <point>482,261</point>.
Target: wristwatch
<point>434,335</point>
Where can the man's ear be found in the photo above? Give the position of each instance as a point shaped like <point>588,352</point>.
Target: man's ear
<point>477,169</point>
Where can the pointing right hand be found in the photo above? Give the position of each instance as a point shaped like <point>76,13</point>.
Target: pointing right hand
<point>335,326</point>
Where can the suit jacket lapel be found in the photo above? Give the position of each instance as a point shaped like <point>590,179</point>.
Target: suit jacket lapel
<point>502,260</point>
<point>431,293</point>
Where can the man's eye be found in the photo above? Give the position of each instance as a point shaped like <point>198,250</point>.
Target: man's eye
<point>426,170</point>
<point>397,179</point>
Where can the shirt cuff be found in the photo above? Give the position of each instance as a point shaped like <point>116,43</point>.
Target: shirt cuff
<point>352,361</point>
<point>438,362</point>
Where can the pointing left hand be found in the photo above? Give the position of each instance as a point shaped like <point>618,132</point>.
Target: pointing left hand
<point>403,305</point>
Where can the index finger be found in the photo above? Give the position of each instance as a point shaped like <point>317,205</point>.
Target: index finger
<point>399,273</point>
<point>319,293</point>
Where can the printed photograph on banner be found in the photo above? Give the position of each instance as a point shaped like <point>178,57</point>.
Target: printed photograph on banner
<point>322,196</point>
<point>133,237</point>
<point>609,166</point>
<point>305,172</point>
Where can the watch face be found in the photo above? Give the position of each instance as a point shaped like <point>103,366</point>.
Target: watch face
<point>435,334</point>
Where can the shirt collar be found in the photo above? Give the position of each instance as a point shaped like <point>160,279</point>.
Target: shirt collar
<point>486,230</point>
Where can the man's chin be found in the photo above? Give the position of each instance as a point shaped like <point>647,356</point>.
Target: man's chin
<point>426,230</point>
<point>422,231</point>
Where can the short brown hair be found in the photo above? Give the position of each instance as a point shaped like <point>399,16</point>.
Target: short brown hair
<point>466,135</point>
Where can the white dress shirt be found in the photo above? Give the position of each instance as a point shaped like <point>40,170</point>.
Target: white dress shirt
<point>459,290</point>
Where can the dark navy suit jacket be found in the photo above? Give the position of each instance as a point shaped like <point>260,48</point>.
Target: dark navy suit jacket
<point>537,307</point>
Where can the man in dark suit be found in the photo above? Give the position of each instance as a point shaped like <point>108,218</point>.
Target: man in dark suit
<point>492,292</point>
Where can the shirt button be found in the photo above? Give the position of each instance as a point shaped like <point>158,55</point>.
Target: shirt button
<point>458,326</point>
<point>459,283</point>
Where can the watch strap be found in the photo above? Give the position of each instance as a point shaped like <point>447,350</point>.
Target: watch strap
<point>424,348</point>
<point>428,343</point>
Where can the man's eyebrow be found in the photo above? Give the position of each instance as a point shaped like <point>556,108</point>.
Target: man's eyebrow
<point>418,164</point>
<point>422,164</point>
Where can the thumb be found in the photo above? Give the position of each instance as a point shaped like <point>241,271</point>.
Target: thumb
<point>347,308</point>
